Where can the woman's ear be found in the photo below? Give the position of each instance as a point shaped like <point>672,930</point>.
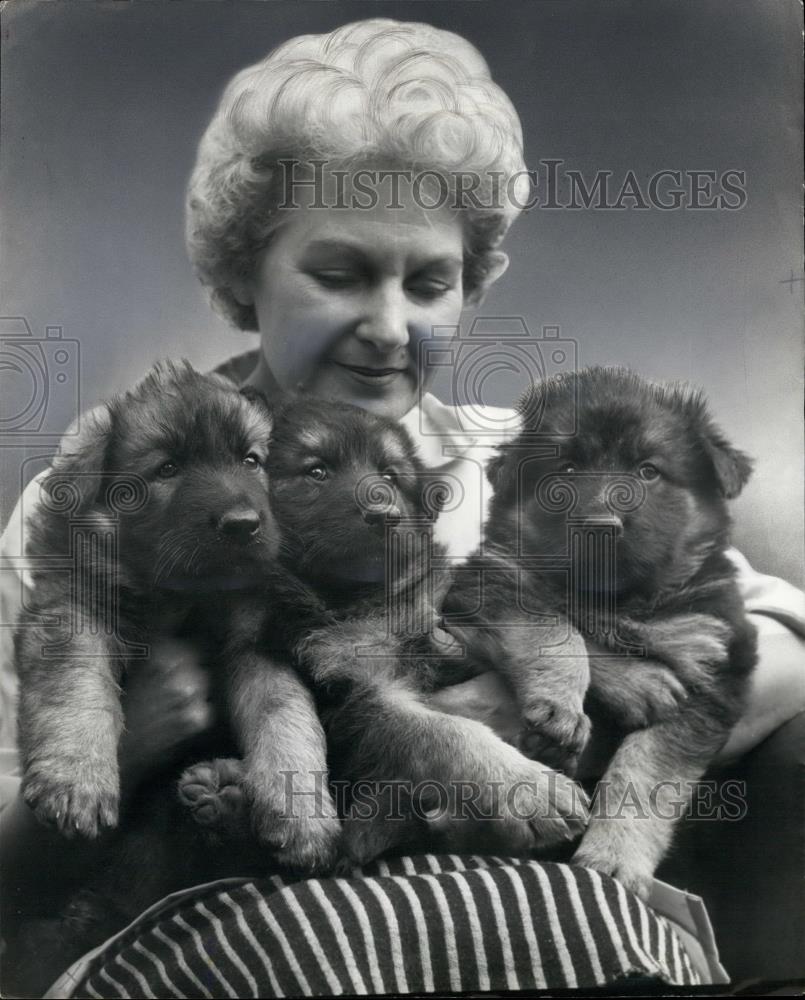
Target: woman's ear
<point>242,291</point>
<point>497,263</point>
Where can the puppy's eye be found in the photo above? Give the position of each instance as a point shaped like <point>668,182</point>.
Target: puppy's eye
<point>252,461</point>
<point>648,472</point>
<point>390,475</point>
<point>568,468</point>
<point>167,470</point>
<point>317,472</point>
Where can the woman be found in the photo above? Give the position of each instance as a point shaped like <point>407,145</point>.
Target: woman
<point>327,211</point>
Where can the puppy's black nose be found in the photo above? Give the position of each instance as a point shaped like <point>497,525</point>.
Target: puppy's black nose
<point>378,516</point>
<point>240,525</point>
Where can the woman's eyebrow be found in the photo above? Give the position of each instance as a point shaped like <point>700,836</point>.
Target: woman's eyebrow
<point>356,252</point>
<point>335,246</point>
<point>442,260</point>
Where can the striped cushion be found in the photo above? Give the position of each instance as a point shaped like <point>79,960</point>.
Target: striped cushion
<point>410,925</point>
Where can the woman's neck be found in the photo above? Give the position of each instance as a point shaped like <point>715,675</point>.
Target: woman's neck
<point>262,379</point>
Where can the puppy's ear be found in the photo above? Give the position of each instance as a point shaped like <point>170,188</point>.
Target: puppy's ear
<point>75,475</point>
<point>261,401</point>
<point>500,470</point>
<point>256,397</point>
<point>732,467</point>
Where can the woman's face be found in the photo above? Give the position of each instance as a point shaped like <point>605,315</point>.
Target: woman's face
<point>344,297</point>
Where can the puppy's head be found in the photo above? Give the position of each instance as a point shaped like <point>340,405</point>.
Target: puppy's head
<point>340,478</point>
<point>177,468</point>
<point>645,465</point>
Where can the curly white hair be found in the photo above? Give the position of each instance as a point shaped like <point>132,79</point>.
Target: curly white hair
<point>372,91</point>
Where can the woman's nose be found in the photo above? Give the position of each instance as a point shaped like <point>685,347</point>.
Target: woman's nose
<point>385,323</point>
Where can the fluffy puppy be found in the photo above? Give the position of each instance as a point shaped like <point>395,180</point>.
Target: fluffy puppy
<point>610,510</point>
<point>162,505</point>
<point>351,499</point>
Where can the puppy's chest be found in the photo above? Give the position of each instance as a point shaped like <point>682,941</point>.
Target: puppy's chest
<point>162,618</point>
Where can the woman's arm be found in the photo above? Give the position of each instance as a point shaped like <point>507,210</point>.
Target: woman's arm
<point>777,694</point>
<point>14,585</point>
<point>777,691</point>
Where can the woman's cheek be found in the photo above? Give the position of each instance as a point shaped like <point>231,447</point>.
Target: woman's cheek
<point>295,343</point>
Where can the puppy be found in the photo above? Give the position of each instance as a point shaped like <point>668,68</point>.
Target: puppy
<point>620,529</point>
<point>350,498</point>
<point>162,503</point>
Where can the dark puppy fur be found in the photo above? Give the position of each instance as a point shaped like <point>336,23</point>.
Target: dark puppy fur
<point>349,495</point>
<point>194,527</point>
<point>163,503</point>
<point>632,510</point>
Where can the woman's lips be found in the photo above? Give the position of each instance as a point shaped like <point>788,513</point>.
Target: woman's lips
<point>372,376</point>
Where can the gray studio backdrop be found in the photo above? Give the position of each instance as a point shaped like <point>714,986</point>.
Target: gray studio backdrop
<point>103,103</point>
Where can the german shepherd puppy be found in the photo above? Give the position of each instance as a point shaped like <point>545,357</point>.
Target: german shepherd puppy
<point>350,498</point>
<point>162,503</point>
<point>618,529</point>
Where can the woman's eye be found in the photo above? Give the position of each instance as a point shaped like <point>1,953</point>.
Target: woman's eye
<point>429,289</point>
<point>648,472</point>
<point>167,470</point>
<point>317,472</point>
<point>252,461</point>
<point>337,278</point>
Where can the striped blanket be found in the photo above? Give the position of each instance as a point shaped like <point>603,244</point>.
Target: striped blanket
<point>406,926</point>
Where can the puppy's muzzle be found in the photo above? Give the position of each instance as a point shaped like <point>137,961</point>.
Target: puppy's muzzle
<point>239,525</point>
<point>381,514</point>
<point>603,522</point>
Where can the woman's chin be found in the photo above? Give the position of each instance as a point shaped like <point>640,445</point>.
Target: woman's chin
<point>391,400</point>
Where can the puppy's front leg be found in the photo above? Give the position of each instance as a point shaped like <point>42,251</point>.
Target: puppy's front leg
<point>644,792</point>
<point>549,671</point>
<point>633,692</point>
<point>285,753</point>
<point>70,719</point>
<point>679,653</point>
<point>485,791</point>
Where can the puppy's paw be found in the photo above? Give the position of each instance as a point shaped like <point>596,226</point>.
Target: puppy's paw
<point>73,794</point>
<point>691,643</point>
<point>643,694</point>
<point>303,832</point>
<point>363,839</point>
<point>554,806</point>
<point>307,844</point>
<point>213,792</point>
<point>628,867</point>
<point>554,733</point>
<point>523,808</point>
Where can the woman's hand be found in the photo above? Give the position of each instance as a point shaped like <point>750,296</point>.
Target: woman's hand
<point>165,702</point>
